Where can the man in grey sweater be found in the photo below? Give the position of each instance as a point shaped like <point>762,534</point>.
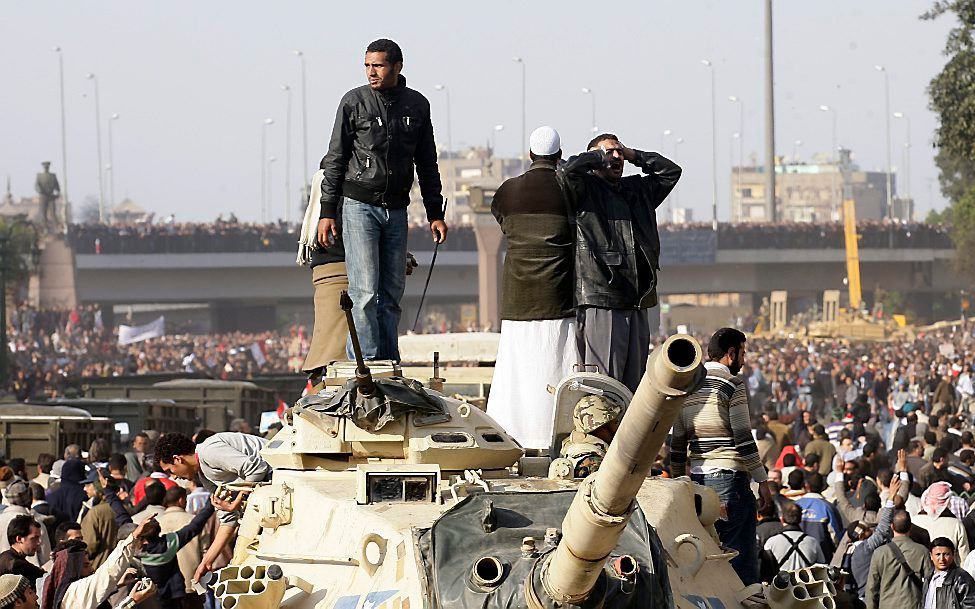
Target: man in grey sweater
<point>223,458</point>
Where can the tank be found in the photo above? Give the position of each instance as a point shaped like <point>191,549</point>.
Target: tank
<point>388,494</point>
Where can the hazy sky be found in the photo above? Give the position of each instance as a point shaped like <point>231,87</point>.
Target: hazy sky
<point>193,81</point>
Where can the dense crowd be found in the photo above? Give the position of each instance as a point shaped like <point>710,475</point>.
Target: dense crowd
<point>221,236</point>
<point>233,236</point>
<point>870,453</point>
<point>53,351</point>
<point>105,528</point>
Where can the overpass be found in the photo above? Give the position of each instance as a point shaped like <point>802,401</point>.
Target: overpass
<point>259,289</point>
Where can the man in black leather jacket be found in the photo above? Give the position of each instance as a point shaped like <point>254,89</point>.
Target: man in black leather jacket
<point>617,252</point>
<point>949,586</point>
<point>382,133</point>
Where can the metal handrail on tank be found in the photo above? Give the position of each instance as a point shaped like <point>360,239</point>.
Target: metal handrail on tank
<point>605,500</point>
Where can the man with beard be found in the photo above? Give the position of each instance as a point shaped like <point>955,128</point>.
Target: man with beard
<point>617,252</point>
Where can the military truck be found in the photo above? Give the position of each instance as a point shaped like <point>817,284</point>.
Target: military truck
<point>27,430</point>
<point>132,416</point>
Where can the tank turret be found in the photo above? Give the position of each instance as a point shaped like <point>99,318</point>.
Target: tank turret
<point>602,506</point>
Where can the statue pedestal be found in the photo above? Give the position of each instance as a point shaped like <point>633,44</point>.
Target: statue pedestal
<point>53,285</point>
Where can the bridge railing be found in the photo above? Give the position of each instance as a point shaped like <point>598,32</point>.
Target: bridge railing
<point>232,238</point>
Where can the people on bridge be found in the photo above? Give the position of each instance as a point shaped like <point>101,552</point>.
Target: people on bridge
<point>617,252</point>
<point>382,133</point>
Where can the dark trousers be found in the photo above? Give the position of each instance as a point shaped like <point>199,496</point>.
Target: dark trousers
<point>737,530</point>
<point>616,341</point>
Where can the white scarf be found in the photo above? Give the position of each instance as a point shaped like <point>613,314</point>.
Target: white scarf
<point>308,238</point>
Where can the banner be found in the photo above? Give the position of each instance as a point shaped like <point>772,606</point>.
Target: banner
<point>257,352</point>
<point>136,334</point>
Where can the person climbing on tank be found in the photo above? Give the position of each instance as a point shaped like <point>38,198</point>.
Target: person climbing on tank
<point>595,421</point>
<point>222,458</point>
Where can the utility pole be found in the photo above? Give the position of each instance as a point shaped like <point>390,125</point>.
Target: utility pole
<point>287,158</point>
<point>64,143</point>
<point>772,211</point>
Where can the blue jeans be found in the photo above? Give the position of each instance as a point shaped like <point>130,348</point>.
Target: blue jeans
<point>375,259</point>
<point>738,530</point>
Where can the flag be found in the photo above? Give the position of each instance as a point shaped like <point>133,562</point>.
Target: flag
<point>128,335</point>
<point>308,388</point>
<point>257,352</point>
<point>282,406</point>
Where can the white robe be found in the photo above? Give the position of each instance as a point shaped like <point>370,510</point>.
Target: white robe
<point>531,356</point>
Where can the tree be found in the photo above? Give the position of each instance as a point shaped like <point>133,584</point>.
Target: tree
<point>952,94</point>
<point>88,213</point>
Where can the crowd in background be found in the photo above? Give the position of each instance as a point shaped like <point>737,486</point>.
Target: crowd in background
<point>53,351</point>
<point>233,236</point>
<point>870,451</point>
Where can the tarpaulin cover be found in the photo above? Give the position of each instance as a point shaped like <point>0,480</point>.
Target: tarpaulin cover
<point>494,524</point>
<point>394,398</point>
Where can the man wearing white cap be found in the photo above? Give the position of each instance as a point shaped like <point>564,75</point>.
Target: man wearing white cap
<point>537,345</point>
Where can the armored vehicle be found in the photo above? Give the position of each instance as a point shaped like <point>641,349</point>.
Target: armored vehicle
<point>387,494</point>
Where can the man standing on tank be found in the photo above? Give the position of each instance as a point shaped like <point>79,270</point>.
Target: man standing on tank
<point>617,252</point>
<point>382,133</point>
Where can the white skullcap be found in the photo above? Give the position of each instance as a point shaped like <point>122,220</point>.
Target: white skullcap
<point>544,141</point>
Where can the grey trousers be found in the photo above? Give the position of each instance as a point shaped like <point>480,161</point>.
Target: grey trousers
<point>616,341</point>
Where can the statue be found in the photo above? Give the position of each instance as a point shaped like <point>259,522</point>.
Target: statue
<point>48,190</point>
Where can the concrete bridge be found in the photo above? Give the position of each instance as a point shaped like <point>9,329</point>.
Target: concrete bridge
<point>258,289</point>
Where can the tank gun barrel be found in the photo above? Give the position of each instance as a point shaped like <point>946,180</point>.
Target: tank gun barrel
<point>602,506</point>
<point>363,376</point>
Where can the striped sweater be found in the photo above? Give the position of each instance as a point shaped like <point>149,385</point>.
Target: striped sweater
<point>714,428</point>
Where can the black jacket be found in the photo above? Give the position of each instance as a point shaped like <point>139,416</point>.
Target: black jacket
<point>538,269</point>
<point>377,139</point>
<point>617,246</point>
<point>956,592</point>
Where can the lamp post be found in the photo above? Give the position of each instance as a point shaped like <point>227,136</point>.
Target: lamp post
<point>270,189</point>
<point>524,134</point>
<point>663,134</point>
<point>267,122</point>
<point>304,119</point>
<point>890,195</point>
<point>714,150</point>
<point>98,140</point>
<point>676,194</point>
<point>494,133</point>
<point>592,95</point>
<point>450,142</point>
<point>832,177</point>
<point>741,138</point>
<point>287,157</point>
<point>64,142</point>
<point>795,151</point>
<point>907,155</point>
<point>111,162</point>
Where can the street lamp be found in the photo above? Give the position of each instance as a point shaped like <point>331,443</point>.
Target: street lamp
<point>832,177</point>
<point>592,95</point>
<point>524,134</point>
<point>907,155</point>
<point>287,157</point>
<point>304,119</point>
<point>270,189</point>
<point>741,138</point>
<point>663,134</point>
<point>795,151</point>
<point>111,162</point>
<point>890,195</point>
<point>450,141</point>
<point>98,139</point>
<point>714,150</point>
<point>267,123</point>
<point>64,142</point>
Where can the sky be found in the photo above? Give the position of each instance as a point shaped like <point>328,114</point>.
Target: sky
<point>193,82</point>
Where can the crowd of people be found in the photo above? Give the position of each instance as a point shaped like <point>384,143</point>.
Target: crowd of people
<point>234,236</point>
<point>96,529</point>
<point>53,351</point>
<point>869,451</point>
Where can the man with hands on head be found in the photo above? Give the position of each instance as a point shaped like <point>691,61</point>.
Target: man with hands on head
<point>617,252</point>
